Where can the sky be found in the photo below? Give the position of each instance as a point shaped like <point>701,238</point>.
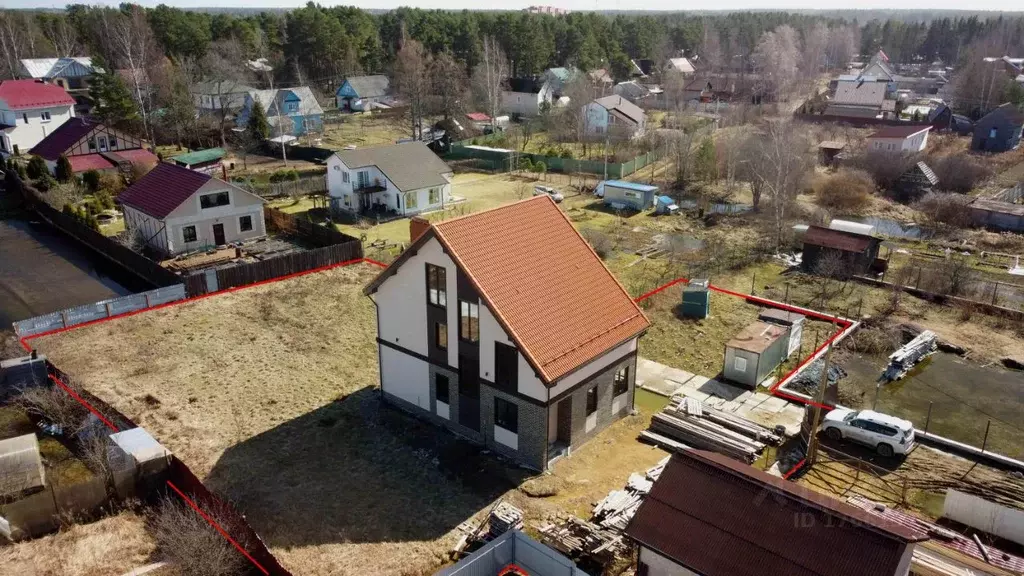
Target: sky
<point>669,5</point>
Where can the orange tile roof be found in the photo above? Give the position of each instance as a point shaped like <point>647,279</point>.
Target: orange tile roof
<point>542,281</point>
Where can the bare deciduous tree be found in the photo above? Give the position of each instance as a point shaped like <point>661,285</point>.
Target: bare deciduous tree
<point>132,41</point>
<point>59,31</point>
<point>411,81</point>
<point>815,47</point>
<point>17,40</point>
<point>776,160</point>
<point>842,45</point>
<point>449,81</point>
<point>54,404</point>
<point>778,56</point>
<point>489,77</point>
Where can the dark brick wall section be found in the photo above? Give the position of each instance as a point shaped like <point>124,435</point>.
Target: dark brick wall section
<point>532,435</point>
<point>604,382</point>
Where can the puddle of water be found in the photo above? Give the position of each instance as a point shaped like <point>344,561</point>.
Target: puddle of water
<point>963,397</point>
<point>894,229</point>
<point>717,208</point>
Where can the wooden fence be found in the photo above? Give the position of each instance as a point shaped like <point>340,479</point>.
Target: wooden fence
<point>138,265</point>
<point>334,247</point>
<point>855,121</point>
<point>179,474</point>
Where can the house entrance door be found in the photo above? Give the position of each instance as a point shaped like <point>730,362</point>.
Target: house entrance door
<point>218,234</point>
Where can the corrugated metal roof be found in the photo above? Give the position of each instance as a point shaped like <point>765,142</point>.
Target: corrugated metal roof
<point>28,94</point>
<point>619,104</point>
<point>89,162</point>
<point>630,185</point>
<point>838,239</point>
<point>57,142</point>
<point>721,517</point>
<point>200,156</point>
<point>951,540</point>
<point>409,165</point>
<point>547,288</point>
<point>163,189</point>
<point>899,131</point>
<point>68,67</point>
<point>271,99</point>
<point>860,92</point>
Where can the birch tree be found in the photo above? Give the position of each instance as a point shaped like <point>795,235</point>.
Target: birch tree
<point>489,76</point>
<point>132,42</point>
<point>17,40</point>
<point>778,160</point>
<point>62,35</point>
<point>778,56</point>
<point>412,81</point>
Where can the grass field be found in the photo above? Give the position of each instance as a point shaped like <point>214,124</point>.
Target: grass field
<point>269,395</point>
<point>110,546</point>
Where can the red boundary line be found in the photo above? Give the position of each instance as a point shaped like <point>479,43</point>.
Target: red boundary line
<point>774,390</point>
<point>217,526</point>
<point>794,469</point>
<point>24,344</point>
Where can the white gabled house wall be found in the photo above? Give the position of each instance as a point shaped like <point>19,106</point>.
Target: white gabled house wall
<point>167,235</point>
<point>29,126</point>
<point>342,180</point>
<point>915,143</point>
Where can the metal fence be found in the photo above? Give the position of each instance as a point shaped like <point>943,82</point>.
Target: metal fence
<point>103,309</point>
<point>478,149</point>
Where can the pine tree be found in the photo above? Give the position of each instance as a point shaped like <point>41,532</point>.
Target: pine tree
<point>259,126</point>
<point>112,100</point>
<point>64,171</point>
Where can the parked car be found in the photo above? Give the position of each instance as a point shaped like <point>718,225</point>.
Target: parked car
<point>539,190</point>
<point>886,434</point>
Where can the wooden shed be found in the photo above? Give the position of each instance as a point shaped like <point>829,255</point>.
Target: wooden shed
<point>753,353</point>
<point>839,253</point>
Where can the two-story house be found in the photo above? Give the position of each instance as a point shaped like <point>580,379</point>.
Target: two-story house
<point>290,111</point>
<point>527,97</point>
<point>90,145</point>
<point>614,116</point>
<point>505,327</point>
<point>180,210</point>
<point>216,96</point>
<point>29,111</point>
<point>73,74</point>
<point>395,180</point>
<point>899,139</point>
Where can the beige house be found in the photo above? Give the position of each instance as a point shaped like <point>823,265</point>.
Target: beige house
<point>179,210</point>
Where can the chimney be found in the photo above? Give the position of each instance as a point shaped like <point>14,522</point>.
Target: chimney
<point>417,226</point>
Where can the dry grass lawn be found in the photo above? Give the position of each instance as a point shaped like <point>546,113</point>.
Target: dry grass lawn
<point>269,395</point>
<point>111,546</point>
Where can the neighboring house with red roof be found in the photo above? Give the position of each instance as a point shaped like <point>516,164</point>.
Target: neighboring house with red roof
<point>29,111</point>
<point>90,145</point>
<point>899,139</point>
<point>505,327</point>
<point>710,515</point>
<point>179,210</point>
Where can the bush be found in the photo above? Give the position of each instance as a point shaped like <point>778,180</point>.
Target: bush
<point>104,200</point>
<point>884,168</point>
<point>92,180</point>
<point>945,208</point>
<point>599,241</point>
<point>64,171</point>
<point>45,183</point>
<point>847,189</point>
<point>959,173</point>
<point>526,164</point>
<point>566,153</point>
<point>284,175</point>
<point>37,168</point>
<point>540,167</point>
<point>195,549</point>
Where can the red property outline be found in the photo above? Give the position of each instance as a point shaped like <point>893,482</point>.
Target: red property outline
<point>844,324</point>
<point>24,344</point>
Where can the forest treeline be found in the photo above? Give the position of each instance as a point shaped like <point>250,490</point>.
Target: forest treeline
<point>319,45</point>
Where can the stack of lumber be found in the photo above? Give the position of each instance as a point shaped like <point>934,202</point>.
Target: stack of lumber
<point>619,506</point>
<point>686,423</point>
<point>504,517</point>
<point>576,537</point>
<point>654,472</point>
<point>902,360</point>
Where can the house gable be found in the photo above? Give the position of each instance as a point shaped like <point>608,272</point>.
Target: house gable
<point>239,198</point>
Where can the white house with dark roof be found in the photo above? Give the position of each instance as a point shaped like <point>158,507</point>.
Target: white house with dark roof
<point>615,116</point>
<point>395,180</point>
<point>505,327</point>
<point>179,210</point>
<point>899,139</point>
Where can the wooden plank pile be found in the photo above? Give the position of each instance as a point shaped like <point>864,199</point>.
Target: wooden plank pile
<point>686,423</point>
<point>576,537</point>
<point>618,507</point>
<point>504,517</point>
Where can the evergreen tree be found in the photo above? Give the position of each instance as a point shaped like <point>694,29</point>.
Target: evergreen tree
<point>259,126</point>
<point>706,161</point>
<point>112,100</point>
<point>37,168</point>
<point>63,170</point>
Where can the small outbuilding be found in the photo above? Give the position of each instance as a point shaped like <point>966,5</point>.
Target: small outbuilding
<point>794,321</point>
<point>997,215</point>
<point>696,299</point>
<point>21,466</point>
<point>753,353</point>
<point>830,152</point>
<point>999,130</point>
<point>208,161</point>
<point>838,252</point>
<point>915,183</point>
<point>621,195</point>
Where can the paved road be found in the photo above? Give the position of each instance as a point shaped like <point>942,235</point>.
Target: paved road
<point>42,271</point>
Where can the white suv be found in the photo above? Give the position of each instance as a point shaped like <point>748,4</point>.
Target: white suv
<point>886,434</point>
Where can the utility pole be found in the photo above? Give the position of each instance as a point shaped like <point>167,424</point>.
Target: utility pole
<point>812,442</point>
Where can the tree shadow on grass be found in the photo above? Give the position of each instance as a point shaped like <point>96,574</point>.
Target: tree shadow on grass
<point>357,470</point>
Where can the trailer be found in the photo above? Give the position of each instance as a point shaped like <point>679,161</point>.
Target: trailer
<point>622,195</point>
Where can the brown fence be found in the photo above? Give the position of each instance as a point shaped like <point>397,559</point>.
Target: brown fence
<point>137,264</point>
<point>185,480</point>
<point>855,121</point>
<point>334,248</point>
